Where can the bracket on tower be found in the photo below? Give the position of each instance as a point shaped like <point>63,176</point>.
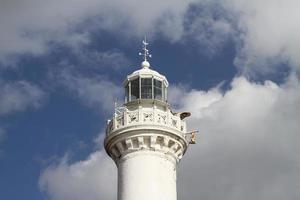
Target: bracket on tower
<point>191,137</point>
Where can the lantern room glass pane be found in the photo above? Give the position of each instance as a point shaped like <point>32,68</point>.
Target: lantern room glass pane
<point>146,89</point>
<point>165,93</point>
<point>135,89</point>
<point>157,89</point>
<point>127,92</point>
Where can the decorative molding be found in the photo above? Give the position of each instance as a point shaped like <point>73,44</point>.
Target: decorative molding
<point>156,143</point>
<point>133,116</point>
<point>161,118</point>
<point>148,116</point>
<point>141,116</point>
<point>174,122</point>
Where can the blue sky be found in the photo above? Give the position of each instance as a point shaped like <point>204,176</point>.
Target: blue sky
<point>234,64</point>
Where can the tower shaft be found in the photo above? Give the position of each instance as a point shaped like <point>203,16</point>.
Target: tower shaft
<point>147,175</point>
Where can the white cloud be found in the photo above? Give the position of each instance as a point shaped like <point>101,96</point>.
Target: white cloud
<point>94,92</point>
<point>247,148</point>
<point>92,179</point>
<point>114,59</point>
<point>265,33</point>
<point>209,25</point>
<point>248,142</point>
<point>268,33</point>
<point>18,96</point>
<point>27,26</point>
<point>210,34</point>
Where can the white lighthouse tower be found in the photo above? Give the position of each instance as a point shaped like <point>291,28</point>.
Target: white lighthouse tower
<point>145,138</point>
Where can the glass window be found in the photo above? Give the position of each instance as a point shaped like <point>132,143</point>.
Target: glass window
<point>127,92</point>
<point>165,93</point>
<point>135,89</point>
<point>146,90</point>
<point>157,89</point>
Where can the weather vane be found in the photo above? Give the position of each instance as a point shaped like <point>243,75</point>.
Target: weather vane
<point>146,53</point>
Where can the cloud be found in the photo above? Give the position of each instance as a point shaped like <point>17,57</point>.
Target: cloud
<point>93,91</point>
<point>27,26</point>
<point>30,26</point>
<point>209,25</point>
<point>263,32</point>
<point>18,96</point>
<point>248,142</point>
<point>247,148</point>
<point>94,59</point>
<point>268,33</point>
<point>94,178</point>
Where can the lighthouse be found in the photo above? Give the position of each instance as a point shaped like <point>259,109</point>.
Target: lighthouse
<point>145,138</point>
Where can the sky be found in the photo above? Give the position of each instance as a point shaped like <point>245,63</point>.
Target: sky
<point>234,64</point>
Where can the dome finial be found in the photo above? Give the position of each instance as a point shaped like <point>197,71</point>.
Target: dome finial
<point>145,54</point>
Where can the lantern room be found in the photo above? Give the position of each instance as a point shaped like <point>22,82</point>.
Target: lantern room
<point>145,84</point>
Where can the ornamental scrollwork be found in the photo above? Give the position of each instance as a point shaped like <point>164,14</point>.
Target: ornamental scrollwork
<point>161,118</point>
<point>174,123</point>
<point>133,117</point>
<point>120,121</point>
<point>148,117</point>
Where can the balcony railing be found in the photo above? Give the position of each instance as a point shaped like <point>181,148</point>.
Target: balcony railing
<point>143,116</point>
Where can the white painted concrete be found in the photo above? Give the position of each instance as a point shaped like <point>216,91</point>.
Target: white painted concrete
<point>147,175</point>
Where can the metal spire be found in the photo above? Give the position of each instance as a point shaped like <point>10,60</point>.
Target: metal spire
<point>146,53</point>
